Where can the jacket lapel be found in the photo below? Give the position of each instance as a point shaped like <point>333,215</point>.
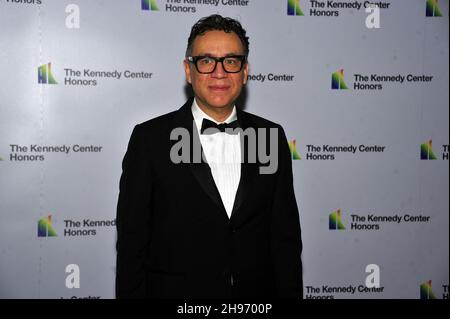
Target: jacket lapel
<point>248,171</point>
<point>201,171</point>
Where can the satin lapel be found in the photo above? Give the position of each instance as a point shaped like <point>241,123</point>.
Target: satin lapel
<point>201,171</point>
<point>248,171</point>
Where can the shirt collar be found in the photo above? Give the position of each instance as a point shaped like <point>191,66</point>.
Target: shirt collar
<point>199,115</point>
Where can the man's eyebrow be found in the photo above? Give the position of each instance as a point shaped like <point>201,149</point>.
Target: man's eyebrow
<point>233,54</point>
<point>215,56</point>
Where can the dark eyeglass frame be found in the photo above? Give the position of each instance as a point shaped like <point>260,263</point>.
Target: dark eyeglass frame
<point>194,60</point>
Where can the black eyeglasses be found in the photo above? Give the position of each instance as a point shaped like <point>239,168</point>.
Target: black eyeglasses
<point>207,64</point>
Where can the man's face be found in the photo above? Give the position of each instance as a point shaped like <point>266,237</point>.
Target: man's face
<point>218,89</point>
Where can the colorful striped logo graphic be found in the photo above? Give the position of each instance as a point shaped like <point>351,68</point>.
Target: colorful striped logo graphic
<point>426,151</point>
<point>425,291</point>
<point>293,148</point>
<point>433,9</point>
<point>45,75</point>
<point>149,5</point>
<point>335,222</point>
<point>337,80</point>
<point>45,228</point>
<point>294,8</point>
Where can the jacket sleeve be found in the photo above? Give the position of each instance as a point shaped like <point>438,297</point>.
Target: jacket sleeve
<point>133,218</point>
<point>286,243</point>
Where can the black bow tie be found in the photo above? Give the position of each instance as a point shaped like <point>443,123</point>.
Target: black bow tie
<point>220,127</point>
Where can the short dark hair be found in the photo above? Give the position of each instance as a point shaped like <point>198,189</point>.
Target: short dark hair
<point>217,22</point>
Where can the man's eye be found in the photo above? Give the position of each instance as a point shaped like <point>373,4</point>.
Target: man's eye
<point>231,61</point>
<point>206,61</point>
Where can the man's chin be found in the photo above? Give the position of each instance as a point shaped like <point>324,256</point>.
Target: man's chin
<point>220,103</point>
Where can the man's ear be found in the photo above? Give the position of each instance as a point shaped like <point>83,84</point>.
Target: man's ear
<point>187,70</point>
<point>245,73</point>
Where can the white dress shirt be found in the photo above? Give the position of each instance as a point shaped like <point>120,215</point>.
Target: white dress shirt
<point>223,154</point>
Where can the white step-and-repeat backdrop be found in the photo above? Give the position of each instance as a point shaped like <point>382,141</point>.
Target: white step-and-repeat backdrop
<point>361,88</point>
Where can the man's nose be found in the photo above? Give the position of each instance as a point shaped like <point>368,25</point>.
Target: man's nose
<point>219,72</point>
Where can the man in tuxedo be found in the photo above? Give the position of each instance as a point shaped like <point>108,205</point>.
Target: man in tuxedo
<point>221,226</point>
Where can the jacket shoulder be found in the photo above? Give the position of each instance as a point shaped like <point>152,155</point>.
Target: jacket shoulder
<point>259,121</point>
<point>158,122</point>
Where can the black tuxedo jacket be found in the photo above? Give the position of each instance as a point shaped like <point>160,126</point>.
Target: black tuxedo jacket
<point>175,239</point>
